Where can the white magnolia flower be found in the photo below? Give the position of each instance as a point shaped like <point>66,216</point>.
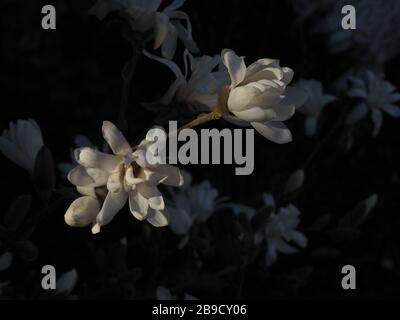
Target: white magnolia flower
<point>281,229</point>
<point>115,179</point>
<point>377,95</point>
<point>315,102</point>
<point>21,143</point>
<point>144,16</point>
<point>164,293</point>
<point>67,282</point>
<point>259,95</point>
<point>199,86</point>
<point>5,261</point>
<point>195,203</point>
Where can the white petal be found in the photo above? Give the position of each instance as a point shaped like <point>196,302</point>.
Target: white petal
<point>79,177</point>
<point>160,29</point>
<point>157,218</point>
<point>298,238</point>
<point>283,247</point>
<point>91,158</point>
<point>113,203</point>
<point>240,97</point>
<point>115,139</point>
<point>274,131</point>
<point>138,205</point>
<point>180,221</point>
<point>357,114</point>
<point>235,65</point>
<point>82,212</point>
<point>173,175</point>
<point>153,196</point>
<point>255,114</point>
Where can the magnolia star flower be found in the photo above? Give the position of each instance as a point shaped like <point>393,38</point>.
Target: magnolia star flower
<point>378,95</point>
<point>144,16</point>
<point>21,143</point>
<point>195,203</point>
<point>314,104</point>
<point>199,88</point>
<point>259,95</point>
<point>123,176</point>
<point>279,230</point>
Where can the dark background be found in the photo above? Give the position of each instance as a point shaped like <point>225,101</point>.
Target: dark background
<point>69,81</point>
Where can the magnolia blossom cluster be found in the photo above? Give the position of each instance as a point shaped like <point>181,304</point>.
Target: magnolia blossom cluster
<point>108,181</point>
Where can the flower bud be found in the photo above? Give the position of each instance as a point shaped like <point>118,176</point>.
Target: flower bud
<point>82,212</point>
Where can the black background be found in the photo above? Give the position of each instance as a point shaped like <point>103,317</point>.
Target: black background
<point>69,81</point>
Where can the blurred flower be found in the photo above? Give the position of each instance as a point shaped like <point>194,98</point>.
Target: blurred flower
<point>377,37</point>
<point>21,143</point>
<point>280,230</point>
<point>144,16</point>
<point>199,86</point>
<point>259,95</point>
<point>163,293</point>
<point>122,176</point>
<point>5,261</point>
<point>67,282</point>
<point>315,102</point>
<point>194,203</point>
<point>377,95</point>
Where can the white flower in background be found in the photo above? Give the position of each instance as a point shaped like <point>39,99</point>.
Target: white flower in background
<point>5,261</point>
<point>195,203</point>
<point>316,101</point>
<point>259,95</point>
<point>67,282</point>
<point>281,229</point>
<point>377,37</point>
<point>144,16</point>
<point>163,293</point>
<point>199,87</point>
<point>21,143</point>
<point>113,179</point>
<point>377,95</point>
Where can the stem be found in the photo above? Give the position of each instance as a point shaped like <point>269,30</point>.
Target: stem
<point>203,118</point>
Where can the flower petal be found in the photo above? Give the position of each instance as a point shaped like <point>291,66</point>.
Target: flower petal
<point>115,139</point>
<point>235,65</point>
<point>157,218</point>
<point>274,131</point>
<point>113,203</point>
<point>173,175</point>
<point>152,194</point>
<point>138,205</point>
<point>91,158</point>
